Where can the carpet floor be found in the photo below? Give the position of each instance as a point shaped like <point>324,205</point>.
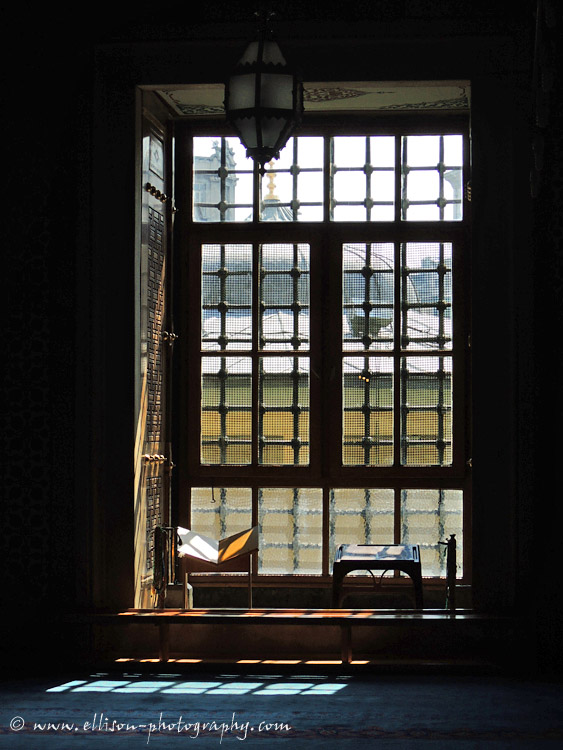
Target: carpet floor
<point>222,707</point>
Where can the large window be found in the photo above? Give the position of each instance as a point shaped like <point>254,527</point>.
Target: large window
<point>324,343</point>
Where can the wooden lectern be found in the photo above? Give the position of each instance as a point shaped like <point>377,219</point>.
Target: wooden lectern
<point>202,554</point>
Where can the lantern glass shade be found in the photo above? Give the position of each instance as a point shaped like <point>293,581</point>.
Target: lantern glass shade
<point>241,92</point>
<point>263,100</point>
<point>271,53</point>
<point>276,91</point>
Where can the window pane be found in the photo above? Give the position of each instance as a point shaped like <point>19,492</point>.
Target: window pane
<point>222,180</point>
<point>363,178</point>
<point>432,177</point>
<point>226,410</point>
<point>367,296</point>
<point>426,296</point>
<point>284,411</point>
<point>367,418</point>
<point>429,517</point>
<point>293,188</point>
<point>219,512</point>
<point>360,516</point>
<point>291,525</point>
<point>426,411</point>
<point>348,212</point>
<point>284,297</point>
<point>226,292</point>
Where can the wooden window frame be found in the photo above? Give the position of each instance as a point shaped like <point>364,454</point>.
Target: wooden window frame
<point>325,470</point>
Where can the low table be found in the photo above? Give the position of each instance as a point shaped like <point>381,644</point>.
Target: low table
<point>403,557</point>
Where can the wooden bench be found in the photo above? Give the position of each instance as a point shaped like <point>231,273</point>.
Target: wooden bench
<point>344,619</point>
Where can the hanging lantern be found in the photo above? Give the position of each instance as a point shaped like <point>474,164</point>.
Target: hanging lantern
<point>263,98</point>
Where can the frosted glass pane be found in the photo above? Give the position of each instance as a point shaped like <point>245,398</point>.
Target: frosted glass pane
<point>361,516</point>
<point>429,517</point>
<point>219,512</point>
<point>290,522</point>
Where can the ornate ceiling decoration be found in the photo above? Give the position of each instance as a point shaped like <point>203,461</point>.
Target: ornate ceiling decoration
<point>206,100</point>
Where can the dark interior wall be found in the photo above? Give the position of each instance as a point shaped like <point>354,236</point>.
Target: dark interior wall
<point>70,383</point>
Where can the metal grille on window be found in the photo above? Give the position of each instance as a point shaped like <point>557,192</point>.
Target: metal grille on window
<point>426,411</point>
<point>284,411</point>
<point>362,178</point>
<point>226,410</point>
<point>290,523</point>
<point>226,400</point>
<point>426,295</point>
<point>284,297</point>
<point>367,296</point>
<point>363,170</point>
<point>426,382</point>
<point>432,183</point>
<point>222,180</point>
<point>292,188</point>
<point>367,411</point>
<point>226,297</point>
<point>284,380</point>
<point>396,345</point>
<point>367,323</point>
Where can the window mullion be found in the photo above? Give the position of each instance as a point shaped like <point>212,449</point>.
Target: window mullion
<point>398,180</point>
<point>397,380</point>
<point>328,180</point>
<point>256,194</point>
<point>398,521</point>
<point>256,326</point>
